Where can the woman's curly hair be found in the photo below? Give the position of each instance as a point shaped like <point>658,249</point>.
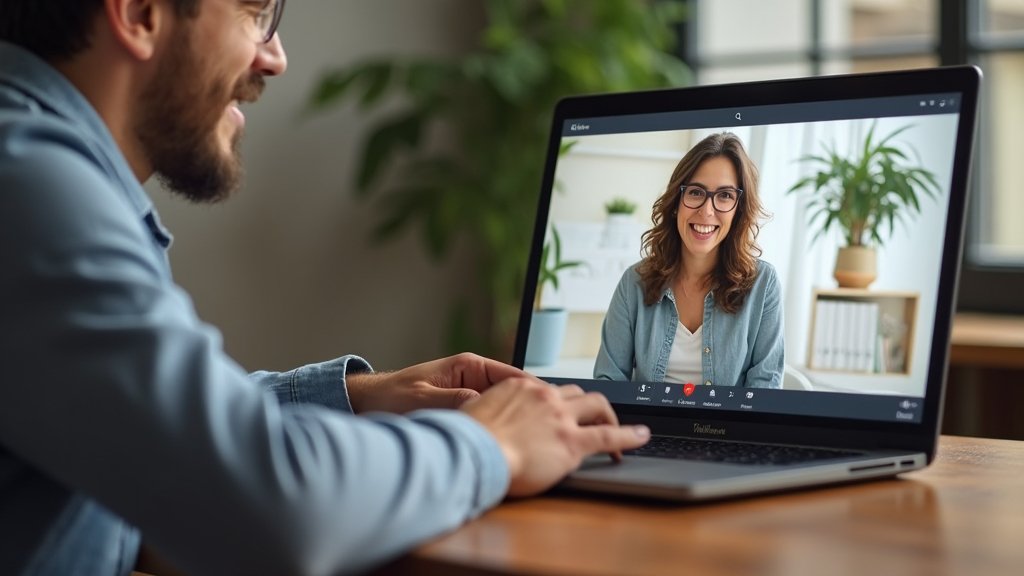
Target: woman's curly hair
<point>736,269</point>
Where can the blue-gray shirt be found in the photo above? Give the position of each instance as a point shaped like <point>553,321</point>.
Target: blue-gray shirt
<point>741,349</point>
<point>122,416</point>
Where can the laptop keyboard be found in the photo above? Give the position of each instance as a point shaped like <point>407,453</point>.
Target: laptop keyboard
<point>733,452</point>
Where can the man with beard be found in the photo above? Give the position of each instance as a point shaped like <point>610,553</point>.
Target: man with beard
<point>122,419</point>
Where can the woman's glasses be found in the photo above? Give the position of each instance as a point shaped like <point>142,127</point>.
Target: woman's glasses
<point>723,200</point>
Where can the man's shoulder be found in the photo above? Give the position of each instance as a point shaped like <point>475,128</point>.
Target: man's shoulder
<point>38,147</point>
<point>26,132</point>
<point>56,186</point>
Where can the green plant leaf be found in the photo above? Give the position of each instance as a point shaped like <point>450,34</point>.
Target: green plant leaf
<point>427,80</point>
<point>556,8</point>
<point>620,205</point>
<point>400,206</point>
<point>401,132</point>
<point>375,79</point>
<point>866,193</point>
<point>332,87</point>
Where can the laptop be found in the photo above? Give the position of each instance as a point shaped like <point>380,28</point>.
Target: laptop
<point>817,382</point>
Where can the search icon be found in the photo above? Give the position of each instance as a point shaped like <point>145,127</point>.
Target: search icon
<point>739,116</point>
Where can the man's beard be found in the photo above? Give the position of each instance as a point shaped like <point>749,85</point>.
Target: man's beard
<point>178,126</point>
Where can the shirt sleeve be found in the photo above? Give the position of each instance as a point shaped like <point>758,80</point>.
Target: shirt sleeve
<point>322,383</point>
<point>768,356</point>
<point>114,388</point>
<point>616,355</point>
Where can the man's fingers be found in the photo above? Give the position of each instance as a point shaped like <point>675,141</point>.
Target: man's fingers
<point>446,397</point>
<point>495,371</point>
<point>592,408</point>
<point>612,439</point>
<point>479,373</point>
<point>570,390</point>
<point>599,427</point>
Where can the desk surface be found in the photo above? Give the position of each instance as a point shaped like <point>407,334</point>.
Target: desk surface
<point>962,515</point>
<point>987,340</point>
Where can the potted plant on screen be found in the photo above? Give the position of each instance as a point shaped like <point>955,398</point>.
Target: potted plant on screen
<point>864,195</point>
<point>617,229</point>
<point>547,327</point>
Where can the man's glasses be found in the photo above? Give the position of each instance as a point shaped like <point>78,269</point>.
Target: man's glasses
<point>268,18</point>
<point>722,200</point>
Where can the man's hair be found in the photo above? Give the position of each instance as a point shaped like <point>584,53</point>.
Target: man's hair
<point>736,270</point>
<point>57,30</point>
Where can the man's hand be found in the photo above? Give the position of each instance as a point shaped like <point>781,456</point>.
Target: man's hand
<point>444,383</point>
<point>546,431</point>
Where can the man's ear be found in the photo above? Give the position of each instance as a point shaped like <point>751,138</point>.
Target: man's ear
<point>138,24</point>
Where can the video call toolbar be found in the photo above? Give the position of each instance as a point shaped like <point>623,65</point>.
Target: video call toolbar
<point>890,408</point>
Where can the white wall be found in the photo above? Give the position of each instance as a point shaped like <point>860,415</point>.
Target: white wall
<point>285,269</point>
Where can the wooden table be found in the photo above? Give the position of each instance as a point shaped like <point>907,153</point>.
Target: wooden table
<point>987,340</point>
<point>986,377</point>
<point>963,515</point>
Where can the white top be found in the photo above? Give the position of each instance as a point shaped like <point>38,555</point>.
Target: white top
<point>684,361</point>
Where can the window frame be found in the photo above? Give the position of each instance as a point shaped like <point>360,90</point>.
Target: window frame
<point>984,286</point>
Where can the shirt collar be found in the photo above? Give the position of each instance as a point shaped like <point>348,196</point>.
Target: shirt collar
<point>667,293</point>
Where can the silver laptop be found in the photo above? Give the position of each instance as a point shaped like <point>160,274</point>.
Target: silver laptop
<point>831,367</point>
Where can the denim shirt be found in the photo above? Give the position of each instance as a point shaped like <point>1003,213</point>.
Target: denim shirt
<point>123,419</point>
<point>741,349</point>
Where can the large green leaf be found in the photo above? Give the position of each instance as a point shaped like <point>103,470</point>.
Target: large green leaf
<point>403,131</point>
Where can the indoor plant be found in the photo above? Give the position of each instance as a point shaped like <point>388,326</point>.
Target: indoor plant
<point>617,229</point>
<point>491,110</point>
<point>864,196</point>
<point>619,205</point>
<point>547,327</point>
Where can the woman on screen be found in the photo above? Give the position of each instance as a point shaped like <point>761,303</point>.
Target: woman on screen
<point>700,306</point>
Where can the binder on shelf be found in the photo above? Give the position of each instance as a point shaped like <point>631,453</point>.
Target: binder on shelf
<point>844,339</point>
<point>862,331</point>
<point>871,336</point>
<point>819,347</point>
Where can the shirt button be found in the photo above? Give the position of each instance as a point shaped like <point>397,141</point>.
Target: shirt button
<point>707,350</point>
<point>708,383</point>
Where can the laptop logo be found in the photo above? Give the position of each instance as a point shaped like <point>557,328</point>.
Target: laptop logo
<point>579,127</point>
<point>707,429</point>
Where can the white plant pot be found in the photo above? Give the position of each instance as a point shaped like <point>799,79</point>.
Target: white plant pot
<point>547,332</point>
<point>617,228</point>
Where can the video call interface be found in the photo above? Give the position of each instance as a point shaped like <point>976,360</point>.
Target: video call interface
<point>849,352</point>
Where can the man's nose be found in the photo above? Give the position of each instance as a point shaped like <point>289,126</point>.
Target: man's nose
<point>270,57</point>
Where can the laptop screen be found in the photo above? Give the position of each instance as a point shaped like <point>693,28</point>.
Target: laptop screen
<point>776,258</point>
